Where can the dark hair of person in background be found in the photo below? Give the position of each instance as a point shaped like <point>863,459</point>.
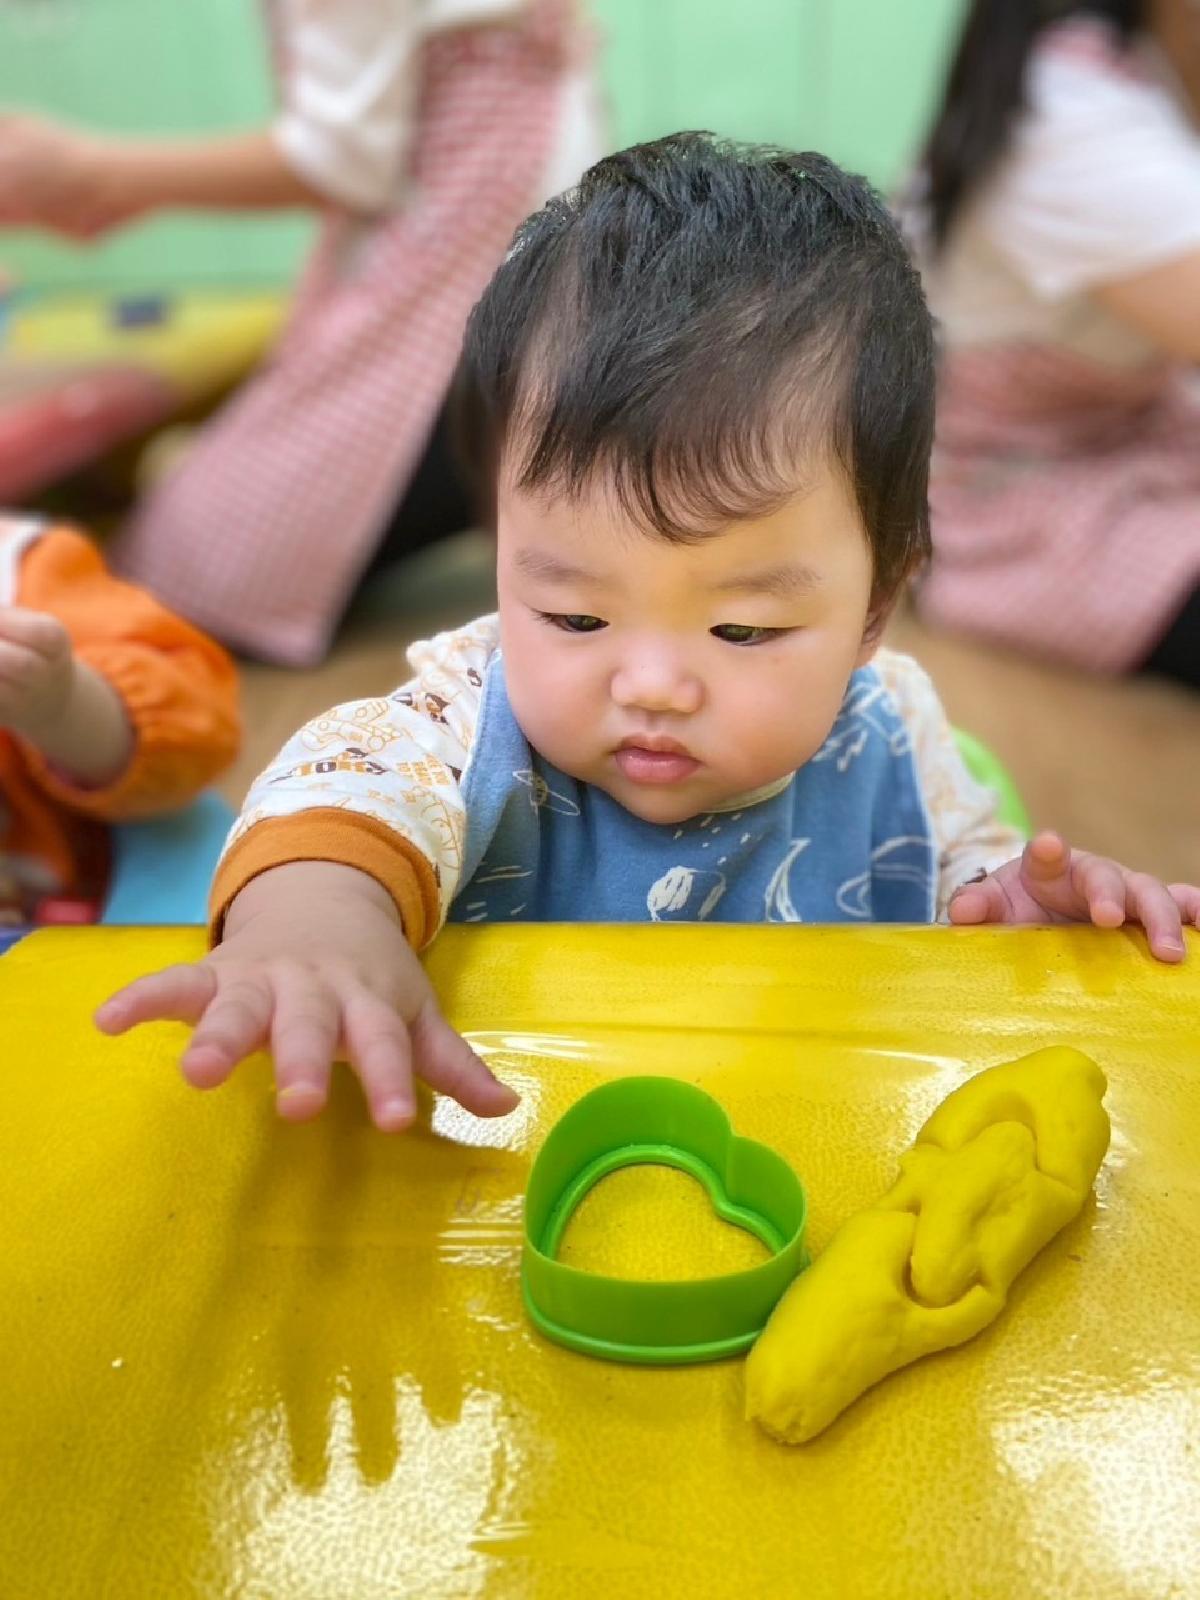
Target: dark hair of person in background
<point>985,90</point>
<point>694,322</point>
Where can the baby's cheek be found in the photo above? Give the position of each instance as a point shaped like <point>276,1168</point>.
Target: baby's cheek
<point>763,713</point>
<point>549,717</point>
<point>786,725</point>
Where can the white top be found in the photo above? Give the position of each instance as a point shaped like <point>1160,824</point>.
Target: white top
<point>350,85</point>
<point>1101,181</point>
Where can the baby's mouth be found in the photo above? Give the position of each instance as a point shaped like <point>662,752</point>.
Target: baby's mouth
<point>654,759</point>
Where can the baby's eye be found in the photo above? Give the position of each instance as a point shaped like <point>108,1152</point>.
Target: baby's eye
<point>574,621</point>
<point>743,633</point>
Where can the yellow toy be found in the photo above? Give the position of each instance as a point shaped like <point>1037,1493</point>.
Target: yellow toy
<point>1003,1163</point>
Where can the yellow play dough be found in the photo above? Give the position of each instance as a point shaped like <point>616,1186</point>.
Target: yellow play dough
<point>1001,1165</point>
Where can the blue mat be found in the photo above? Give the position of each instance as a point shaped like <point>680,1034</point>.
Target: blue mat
<point>162,869</point>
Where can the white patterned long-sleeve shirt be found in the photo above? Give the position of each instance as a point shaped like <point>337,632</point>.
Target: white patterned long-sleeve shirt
<point>434,792</point>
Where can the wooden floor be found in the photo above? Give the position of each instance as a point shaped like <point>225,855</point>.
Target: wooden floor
<point>1115,766</point>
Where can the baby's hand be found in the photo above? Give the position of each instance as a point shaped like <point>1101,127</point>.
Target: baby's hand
<point>37,671</point>
<point>315,965</point>
<point>1050,882</point>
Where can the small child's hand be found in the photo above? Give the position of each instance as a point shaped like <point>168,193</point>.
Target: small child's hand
<point>315,965</point>
<point>1050,882</point>
<point>52,176</point>
<point>37,671</point>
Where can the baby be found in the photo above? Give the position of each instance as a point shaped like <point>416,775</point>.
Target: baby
<point>111,708</point>
<point>707,376</point>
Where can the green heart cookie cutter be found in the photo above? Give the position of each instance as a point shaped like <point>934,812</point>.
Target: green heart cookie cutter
<point>658,1122</point>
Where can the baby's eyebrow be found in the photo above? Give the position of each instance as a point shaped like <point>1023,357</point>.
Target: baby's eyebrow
<point>785,582</point>
<point>552,568</point>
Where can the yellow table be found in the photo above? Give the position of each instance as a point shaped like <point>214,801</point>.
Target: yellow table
<point>241,1359</point>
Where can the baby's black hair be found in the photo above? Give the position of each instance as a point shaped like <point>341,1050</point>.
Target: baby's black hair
<point>698,321</point>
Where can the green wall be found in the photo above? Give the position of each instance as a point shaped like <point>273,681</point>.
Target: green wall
<point>851,77</point>
<point>146,66</point>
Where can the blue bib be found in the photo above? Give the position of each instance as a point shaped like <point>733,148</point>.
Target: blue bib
<point>848,839</point>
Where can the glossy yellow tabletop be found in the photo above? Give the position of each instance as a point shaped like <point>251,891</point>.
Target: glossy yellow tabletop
<point>241,1359</point>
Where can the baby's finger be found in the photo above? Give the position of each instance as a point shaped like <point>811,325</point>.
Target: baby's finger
<point>446,1062</point>
<point>1047,855</point>
<point>32,630</point>
<point>1101,885</point>
<point>1152,903</point>
<point>19,667</point>
<point>1187,897</point>
<point>235,1025</point>
<point>305,1028</point>
<point>176,994</point>
<point>378,1046</point>
<point>984,901</point>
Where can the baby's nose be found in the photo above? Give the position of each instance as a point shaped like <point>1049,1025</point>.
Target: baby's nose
<point>654,682</point>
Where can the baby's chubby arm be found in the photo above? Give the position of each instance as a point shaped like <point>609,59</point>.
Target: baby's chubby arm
<point>345,860</point>
<point>315,966</point>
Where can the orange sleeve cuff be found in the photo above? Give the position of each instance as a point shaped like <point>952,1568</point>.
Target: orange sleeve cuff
<point>350,840</point>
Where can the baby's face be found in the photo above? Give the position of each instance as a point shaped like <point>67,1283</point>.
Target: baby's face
<point>680,678</point>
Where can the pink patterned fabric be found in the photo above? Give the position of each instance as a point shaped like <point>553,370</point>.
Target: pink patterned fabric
<point>1066,504</point>
<point>262,531</point>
